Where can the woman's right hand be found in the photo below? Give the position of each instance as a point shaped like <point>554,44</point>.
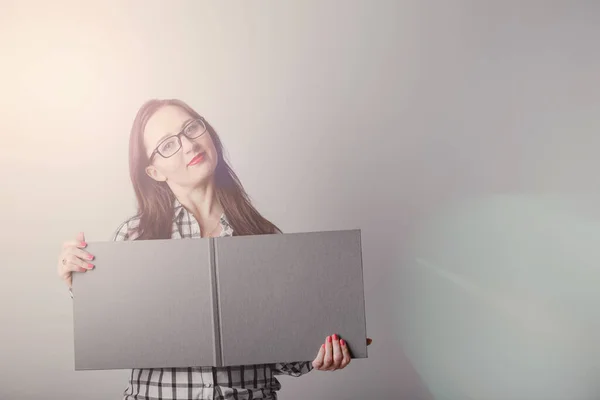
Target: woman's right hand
<point>74,259</point>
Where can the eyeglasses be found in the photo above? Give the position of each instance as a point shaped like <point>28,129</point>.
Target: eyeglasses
<point>171,145</point>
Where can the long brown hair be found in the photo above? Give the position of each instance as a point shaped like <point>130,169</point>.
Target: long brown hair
<point>155,199</point>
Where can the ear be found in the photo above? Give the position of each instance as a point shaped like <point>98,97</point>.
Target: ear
<point>153,173</point>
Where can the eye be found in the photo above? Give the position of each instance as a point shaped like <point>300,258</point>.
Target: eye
<point>168,145</point>
<point>191,128</point>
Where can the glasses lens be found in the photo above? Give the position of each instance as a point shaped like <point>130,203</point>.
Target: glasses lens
<point>169,146</point>
<point>194,129</point>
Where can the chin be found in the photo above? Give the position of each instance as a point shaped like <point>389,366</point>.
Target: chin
<point>202,174</point>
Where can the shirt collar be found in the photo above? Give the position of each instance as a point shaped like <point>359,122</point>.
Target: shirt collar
<point>179,210</point>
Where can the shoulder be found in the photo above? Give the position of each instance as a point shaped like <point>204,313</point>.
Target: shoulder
<point>127,230</point>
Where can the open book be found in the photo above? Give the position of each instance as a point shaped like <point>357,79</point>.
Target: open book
<point>219,301</point>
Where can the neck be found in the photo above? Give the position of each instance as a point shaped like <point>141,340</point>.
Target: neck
<point>201,201</point>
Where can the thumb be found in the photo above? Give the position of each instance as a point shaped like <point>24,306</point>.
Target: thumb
<point>318,361</point>
<point>81,237</point>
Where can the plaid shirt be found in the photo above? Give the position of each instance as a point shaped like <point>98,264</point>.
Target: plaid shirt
<point>244,382</point>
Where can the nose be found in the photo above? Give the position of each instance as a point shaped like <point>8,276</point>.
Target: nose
<point>188,145</point>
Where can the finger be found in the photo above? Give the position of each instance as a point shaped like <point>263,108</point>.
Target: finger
<point>72,263</point>
<point>346,353</point>
<point>82,254</point>
<point>72,259</point>
<point>69,281</point>
<point>81,237</point>
<point>74,243</point>
<point>68,278</point>
<point>67,264</point>
<point>337,352</point>
<point>72,266</point>
<point>369,341</point>
<point>318,361</point>
<point>328,359</point>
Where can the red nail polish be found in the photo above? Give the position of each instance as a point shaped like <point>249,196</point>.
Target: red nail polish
<point>342,342</point>
<point>335,337</point>
<point>323,346</point>
<point>90,257</point>
<point>329,339</point>
<point>90,266</point>
<point>82,244</point>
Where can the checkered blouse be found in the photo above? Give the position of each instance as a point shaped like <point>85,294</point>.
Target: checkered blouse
<point>244,382</point>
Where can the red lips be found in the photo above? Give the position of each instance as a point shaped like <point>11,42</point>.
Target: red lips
<point>197,159</point>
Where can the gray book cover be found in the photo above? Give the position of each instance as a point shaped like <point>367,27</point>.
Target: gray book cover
<point>219,301</point>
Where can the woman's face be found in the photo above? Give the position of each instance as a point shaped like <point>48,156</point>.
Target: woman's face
<point>193,163</point>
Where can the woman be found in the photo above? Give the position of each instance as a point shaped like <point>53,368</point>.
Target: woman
<point>185,189</point>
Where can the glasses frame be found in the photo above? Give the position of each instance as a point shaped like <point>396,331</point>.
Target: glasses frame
<point>178,136</point>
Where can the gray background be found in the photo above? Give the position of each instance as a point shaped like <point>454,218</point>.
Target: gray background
<point>371,114</point>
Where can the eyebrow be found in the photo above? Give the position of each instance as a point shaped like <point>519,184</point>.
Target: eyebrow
<point>166,135</point>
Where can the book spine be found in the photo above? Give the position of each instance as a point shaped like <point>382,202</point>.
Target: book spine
<point>362,280</point>
<point>216,312</point>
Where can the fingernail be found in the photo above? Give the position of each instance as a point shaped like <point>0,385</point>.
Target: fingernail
<point>90,266</point>
<point>323,346</point>
<point>335,337</point>
<point>342,342</point>
<point>83,244</point>
<point>90,257</point>
<point>329,339</point>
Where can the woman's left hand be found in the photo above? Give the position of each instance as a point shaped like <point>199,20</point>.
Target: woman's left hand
<point>333,354</point>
